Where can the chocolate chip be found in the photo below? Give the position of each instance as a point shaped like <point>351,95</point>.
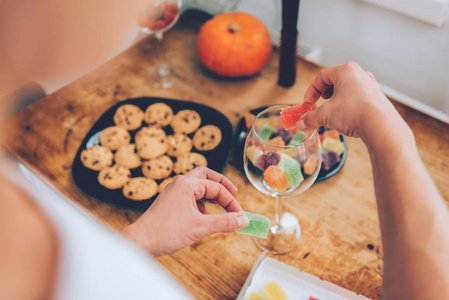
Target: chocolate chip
<point>130,193</point>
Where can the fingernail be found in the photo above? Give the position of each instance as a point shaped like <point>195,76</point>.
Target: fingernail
<point>301,125</point>
<point>242,221</point>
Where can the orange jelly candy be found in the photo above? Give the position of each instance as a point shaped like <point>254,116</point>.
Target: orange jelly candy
<point>310,165</point>
<point>331,134</point>
<point>276,178</point>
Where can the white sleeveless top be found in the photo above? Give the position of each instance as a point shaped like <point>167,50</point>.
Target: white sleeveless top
<point>96,263</point>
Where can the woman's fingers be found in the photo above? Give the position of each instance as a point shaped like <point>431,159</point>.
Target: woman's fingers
<point>206,173</point>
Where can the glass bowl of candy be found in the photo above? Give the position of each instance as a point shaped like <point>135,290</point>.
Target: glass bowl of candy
<point>333,143</point>
<point>280,163</point>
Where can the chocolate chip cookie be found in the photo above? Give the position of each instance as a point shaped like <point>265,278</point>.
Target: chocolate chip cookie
<point>188,162</point>
<point>157,168</point>
<point>178,144</point>
<point>114,177</point>
<point>207,138</point>
<point>127,156</point>
<point>186,121</point>
<point>140,188</point>
<point>159,114</point>
<point>128,116</point>
<point>151,147</point>
<point>97,158</point>
<point>164,184</point>
<point>150,131</point>
<point>113,137</point>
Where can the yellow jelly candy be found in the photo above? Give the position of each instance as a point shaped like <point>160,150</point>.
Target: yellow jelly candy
<point>253,153</point>
<point>274,292</point>
<point>331,144</point>
<point>256,296</point>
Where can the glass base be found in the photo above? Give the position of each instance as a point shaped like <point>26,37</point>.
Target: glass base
<point>165,75</point>
<point>283,237</point>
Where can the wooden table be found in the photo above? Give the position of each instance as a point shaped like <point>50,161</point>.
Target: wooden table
<point>341,238</point>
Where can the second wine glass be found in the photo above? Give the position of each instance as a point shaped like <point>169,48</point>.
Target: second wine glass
<point>281,164</point>
<point>158,17</point>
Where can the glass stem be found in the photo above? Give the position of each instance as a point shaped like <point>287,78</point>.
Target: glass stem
<point>278,211</point>
<point>163,68</point>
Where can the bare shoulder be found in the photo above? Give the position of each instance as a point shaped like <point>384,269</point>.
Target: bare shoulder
<point>29,247</point>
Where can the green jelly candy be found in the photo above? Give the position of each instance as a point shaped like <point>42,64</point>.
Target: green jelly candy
<point>258,225</point>
<point>292,169</point>
<point>297,139</point>
<point>265,132</point>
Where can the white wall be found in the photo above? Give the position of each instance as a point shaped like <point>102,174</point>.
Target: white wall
<point>409,57</point>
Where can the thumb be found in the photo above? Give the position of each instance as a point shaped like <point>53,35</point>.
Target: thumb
<point>313,119</point>
<point>226,222</point>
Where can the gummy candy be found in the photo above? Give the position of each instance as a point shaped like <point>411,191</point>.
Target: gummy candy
<point>277,141</point>
<point>330,159</point>
<point>332,134</point>
<point>253,152</point>
<point>290,115</point>
<point>249,119</point>
<point>298,138</point>
<point>258,225</point>
<point>265,132</point>
<point>292,169</point>
<point>256,296</point>
<point>276,121</point>
<point>267,159</point>
<point>331,144</point>
<point>313,298</point>
<point>310,165</point>
<point>262,122</point>
<point>274,292</point>
<point>286,136</point>
<point>276,178</point>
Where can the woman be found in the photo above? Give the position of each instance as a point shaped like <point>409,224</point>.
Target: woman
<point>50,250</point>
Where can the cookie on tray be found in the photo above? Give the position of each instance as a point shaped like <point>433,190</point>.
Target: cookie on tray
<point>188,162</point>
<point>151,147</point>
<point>178,144</point>
<point>186,121</point>
<point>127,157</point>
<point>150,131</point>
<point>140,188</point>
<point>207,138</point>
<point>157,168</point>
<point>159,114</point>
<point>113,137</point>
<point>164,184</point>
<point>128,116</point>
<point>114,177</point>
<point>97,158</point>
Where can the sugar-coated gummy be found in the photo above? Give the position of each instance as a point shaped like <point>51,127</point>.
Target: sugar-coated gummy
<point>270,158</point>
<point>256,296</point>
<point>330,159</point>
<point>297,139</point>
<point>265,132</point>
<point>292,169</point>
<point>334,145</point>
<point>276,178</point>
<point>274,292</point>
<point>290,115</point>
<point>258,225</point>
<point>284,134</point>
<point>253,152</point>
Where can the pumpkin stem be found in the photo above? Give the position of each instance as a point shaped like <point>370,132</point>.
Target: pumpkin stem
<point>233,27</point>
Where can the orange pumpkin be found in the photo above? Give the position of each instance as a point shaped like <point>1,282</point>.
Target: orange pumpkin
<point>234,44</point>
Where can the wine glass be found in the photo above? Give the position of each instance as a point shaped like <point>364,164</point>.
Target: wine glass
<point>280,163</point>
<point>158,17</point>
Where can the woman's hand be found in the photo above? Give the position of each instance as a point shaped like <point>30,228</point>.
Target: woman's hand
<point>176,219</point>
<point>357,106</point>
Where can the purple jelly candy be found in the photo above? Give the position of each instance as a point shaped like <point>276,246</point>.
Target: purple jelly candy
<point>330,159</point>
<point>267,159</point>
<point>284,134</point>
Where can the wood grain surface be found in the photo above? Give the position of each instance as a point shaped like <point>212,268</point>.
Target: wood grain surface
<point>341,237</point>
